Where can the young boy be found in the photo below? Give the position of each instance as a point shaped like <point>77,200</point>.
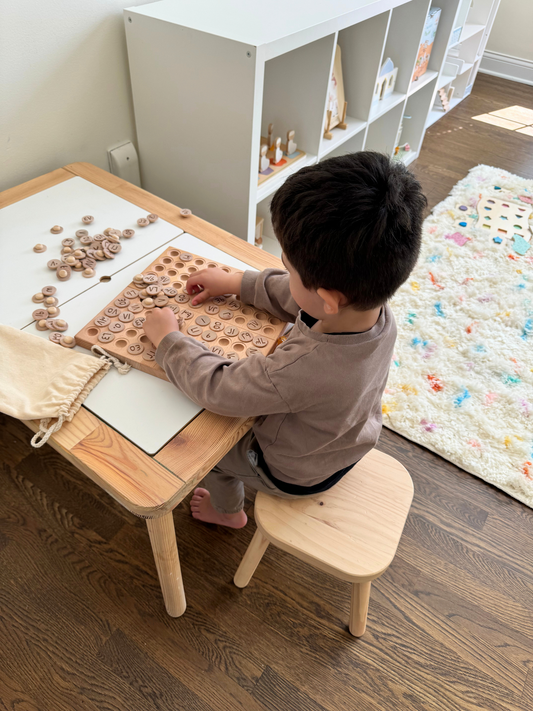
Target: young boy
<point>350,231</point>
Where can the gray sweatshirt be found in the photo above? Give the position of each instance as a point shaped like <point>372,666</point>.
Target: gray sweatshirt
<point>317,397</point>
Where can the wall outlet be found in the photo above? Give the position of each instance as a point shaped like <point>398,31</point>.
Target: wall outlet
<point>124,162</point>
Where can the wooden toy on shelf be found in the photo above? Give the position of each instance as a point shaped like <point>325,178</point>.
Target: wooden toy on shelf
<point>443,96</point>
<point>264,163</point>
<point>343,123</point>
<point>259,223</point>
<point>290,145</point>
<point>279,155</point>
<point>327,132</point>
<point>386,81</point>
<point>223,324</point>
<point>276,152</point>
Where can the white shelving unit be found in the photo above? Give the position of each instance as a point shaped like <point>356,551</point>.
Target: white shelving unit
<point>208,77</point>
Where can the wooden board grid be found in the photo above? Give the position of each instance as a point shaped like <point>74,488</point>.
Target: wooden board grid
<point>234,330</point>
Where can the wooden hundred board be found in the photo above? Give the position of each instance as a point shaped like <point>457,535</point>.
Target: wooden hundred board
<point>222,323</point>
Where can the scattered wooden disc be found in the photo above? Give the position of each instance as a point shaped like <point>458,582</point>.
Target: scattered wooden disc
<point>39,248</point>
<point>56,229</point>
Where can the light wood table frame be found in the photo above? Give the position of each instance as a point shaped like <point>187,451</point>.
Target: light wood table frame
<point>149,486</point>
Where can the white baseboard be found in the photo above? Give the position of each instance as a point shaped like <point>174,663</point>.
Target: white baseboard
<point>507,67</point>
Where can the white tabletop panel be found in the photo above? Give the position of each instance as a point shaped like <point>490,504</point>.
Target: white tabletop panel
<point>143,408</point>
<point>26,223</point>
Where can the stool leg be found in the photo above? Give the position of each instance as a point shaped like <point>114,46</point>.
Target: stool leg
<point>251,560</point>
<point>167,562</point>
<point>359,608</point>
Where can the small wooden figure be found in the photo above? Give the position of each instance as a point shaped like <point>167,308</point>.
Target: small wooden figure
<point>291,145</point>
<point>264,163</point>
<point>327,132</point>
<point>277,153</point>
<point>270,143</point>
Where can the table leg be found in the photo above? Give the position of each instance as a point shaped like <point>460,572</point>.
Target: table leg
<point>165,549</point>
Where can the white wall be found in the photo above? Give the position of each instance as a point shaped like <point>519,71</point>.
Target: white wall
<point>512,33</point>
<point>64,84</point>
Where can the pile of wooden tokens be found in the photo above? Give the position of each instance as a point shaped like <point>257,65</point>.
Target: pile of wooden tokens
<point>46,318</point>
<point>92,249</point>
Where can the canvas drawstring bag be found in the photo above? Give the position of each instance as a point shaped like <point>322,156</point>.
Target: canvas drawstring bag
<point>40,380</point>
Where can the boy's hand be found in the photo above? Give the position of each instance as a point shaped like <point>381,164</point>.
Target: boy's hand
<point>213,282</point>
<point>159,323</point>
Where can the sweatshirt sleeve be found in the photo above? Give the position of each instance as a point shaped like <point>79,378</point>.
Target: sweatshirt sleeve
<point>234,388</point>
<point>269,290</point>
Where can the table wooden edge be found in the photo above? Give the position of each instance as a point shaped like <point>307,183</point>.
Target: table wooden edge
<point>87,441</point>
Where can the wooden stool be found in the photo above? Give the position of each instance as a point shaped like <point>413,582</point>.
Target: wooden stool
<point>351,531</point>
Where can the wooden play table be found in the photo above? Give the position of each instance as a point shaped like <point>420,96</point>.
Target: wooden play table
<point>148,485</point>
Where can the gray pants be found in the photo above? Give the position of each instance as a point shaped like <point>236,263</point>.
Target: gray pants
<point>239,468</point>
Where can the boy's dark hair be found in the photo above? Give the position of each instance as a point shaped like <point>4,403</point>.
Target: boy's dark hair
<point>353,224</point>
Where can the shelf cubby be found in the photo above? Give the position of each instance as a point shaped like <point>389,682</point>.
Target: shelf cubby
<point>403,40</point>
<point>417,107</point>
<point>382,133</point>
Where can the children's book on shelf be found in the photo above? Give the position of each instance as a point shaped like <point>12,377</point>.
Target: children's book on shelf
<point>428,38</point>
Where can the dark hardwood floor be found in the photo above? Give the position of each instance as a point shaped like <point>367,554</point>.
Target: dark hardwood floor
<point>82,624</point>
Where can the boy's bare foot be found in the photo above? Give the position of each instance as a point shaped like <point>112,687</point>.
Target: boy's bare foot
<point>202,509</point>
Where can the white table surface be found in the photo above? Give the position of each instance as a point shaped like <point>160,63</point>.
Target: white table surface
<point>144,409</point>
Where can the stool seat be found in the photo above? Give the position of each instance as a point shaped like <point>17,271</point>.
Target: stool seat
<point>351,531</point>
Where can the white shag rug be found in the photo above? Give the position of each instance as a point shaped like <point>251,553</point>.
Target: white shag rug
<point>461,381</point>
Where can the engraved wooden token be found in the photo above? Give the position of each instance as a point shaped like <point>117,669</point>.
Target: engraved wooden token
<point>170,291</point>
<point>41,325</point>
<point>219,300</point>
<point>89,263</point>
<point>203,320</point>
<point>128,233</point>
<point>68,242</point>
<point>56,229</point>
<point>174,307</point>
<point>217,350</point>
<point>182,298</point>
<point>153,289</point>
<point>185,257</point>
<point>87,219</point>
<point>186,314</point>
<point>152,217</point>
<point>122,302</point>
<point>143,222</point>
<point>234,305</point>
<point>194,330</point>
<point>212,309</point>
<point>253,325</point>
<point>114,248</point>
<point>67,341</point>
<point>53,311</point>
<point>55,337</point>
<point>161,301</point>
<point>126,317</point>
<point>149,355</point>
<point>106,337</point>
<point>217,326</point>
<point>63,273</point>
<point>150,279</point>
<point>135,308</point>
<point>99,238</point>
<point>53,264</point>
<point>138,322</point>
<point>232,356</point>
<point>253,351</point>
<point>131,293</point>
<point>51,301</point>
<point>163,280</point>
<point>86,240</point>
<point>260,341</point>
<point>116,327</point>
<point>136,348</point>
<point>196,306</point>
<point>148,303</point>
<point>209,336</point>
<point>82,233</point>
<point>245,336</point>
<point>226,315</point>
<point>231,331</point>
<point>39,248</point>
<point>49,290</point>
<point>37,298</point>
<point>101,321</point>
<point>112,311</point>
<point>39,314</point>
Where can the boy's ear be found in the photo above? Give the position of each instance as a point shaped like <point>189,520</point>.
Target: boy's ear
<point>333,300</point>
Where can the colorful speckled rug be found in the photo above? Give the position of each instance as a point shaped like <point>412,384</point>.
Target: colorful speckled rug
<point>461,381</point>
